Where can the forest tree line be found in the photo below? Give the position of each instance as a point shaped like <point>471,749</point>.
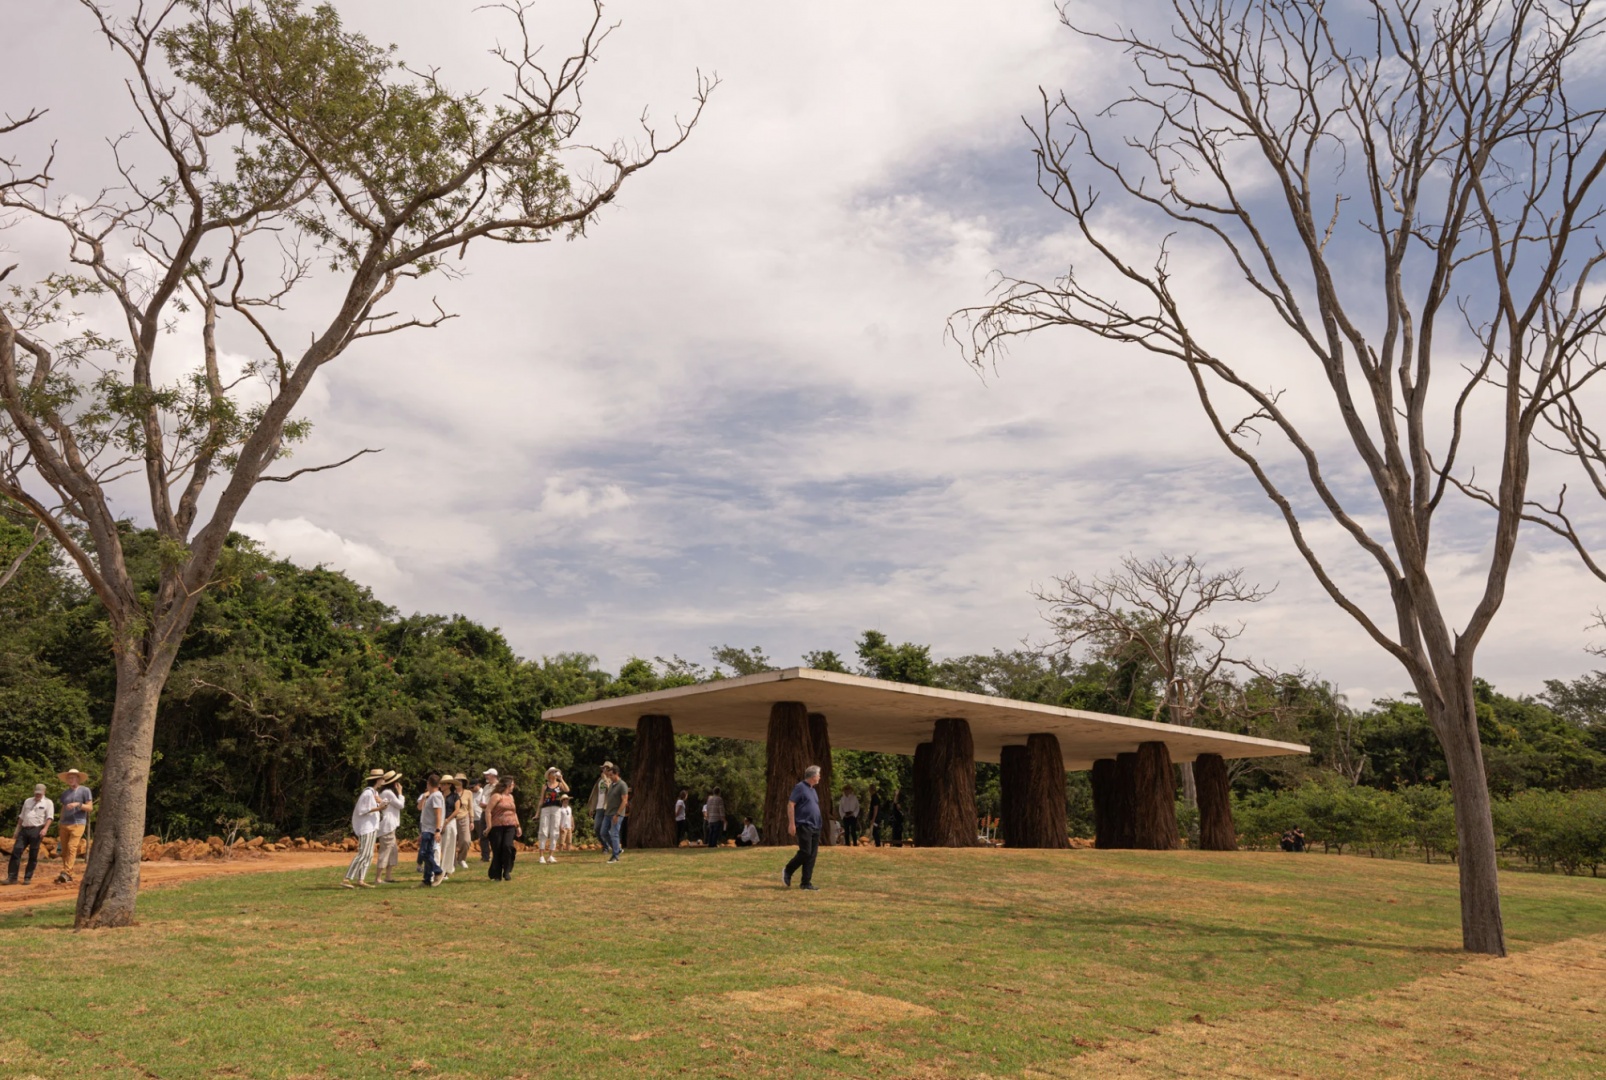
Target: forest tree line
<point>293,681</point>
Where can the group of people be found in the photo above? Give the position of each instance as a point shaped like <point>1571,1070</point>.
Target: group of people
<point>1292,839</point>
<point>456,811</point>
<point>713,822</point>
<point>869,818</point>
<point>34,821</point>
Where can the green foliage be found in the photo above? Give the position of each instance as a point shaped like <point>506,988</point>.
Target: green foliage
<point>906,663</point>
<point>1556,830</point>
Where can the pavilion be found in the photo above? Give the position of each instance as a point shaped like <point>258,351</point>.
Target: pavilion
<point>800,713</point>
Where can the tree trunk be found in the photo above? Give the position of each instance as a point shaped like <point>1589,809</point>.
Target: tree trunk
<point>110,885</point>
<point>1124,801</point>
<point>820,746</point>
<point>1482,926</point>
<point>952,803</point>
<point>1215,804</point>
<point>1012,782</point>
<point>925,784</point>
<point>1043,804</point>
<point>787,752</point>
<point>652,784</point>
<point>1154,820</point>
<point>1102,780</point>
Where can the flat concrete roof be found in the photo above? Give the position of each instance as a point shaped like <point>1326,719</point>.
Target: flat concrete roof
<point>890,717</point>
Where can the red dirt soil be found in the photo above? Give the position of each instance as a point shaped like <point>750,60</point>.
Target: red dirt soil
<point>155,875</point>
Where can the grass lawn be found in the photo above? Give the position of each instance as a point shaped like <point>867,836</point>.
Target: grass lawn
<point>907,963</point>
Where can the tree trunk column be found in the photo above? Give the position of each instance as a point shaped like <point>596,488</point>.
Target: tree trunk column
<point>1215,804</point>
<point>820,745</point>
<point>652,784</point>
<point>1154,818</point>
<point>920,824</point>
<point>1102,780</point>
<point>787,751</point>
<point>1042,809</point>
<point>1012,784</point>
<point>952,803</point>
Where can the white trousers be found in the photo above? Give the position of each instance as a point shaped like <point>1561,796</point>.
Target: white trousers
<point>547,838</point>
<point>359,862</point>
<point>446,848</point>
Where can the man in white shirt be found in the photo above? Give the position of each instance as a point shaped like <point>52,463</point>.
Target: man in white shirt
<point>390,811</point>
<point>680,817</point>
<point>481,797</point>
<point>847,808</point>
<point>749,836</point>
<point>37,814</point>
<point>365,824</point>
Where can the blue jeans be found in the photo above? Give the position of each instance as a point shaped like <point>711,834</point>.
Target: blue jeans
<point>426,856</point>
<point>610,833</point>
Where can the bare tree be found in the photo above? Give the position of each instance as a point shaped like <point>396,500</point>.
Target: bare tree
<point>1163,608</point>
<point>280,165</point>
<point>1411,194</point>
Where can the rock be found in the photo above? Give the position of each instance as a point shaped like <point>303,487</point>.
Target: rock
<point>152,839</point>
<point>349,844</point>
<point>256,841</point>
<point>281,843</point>
<point>301,841</point>
<point>215,843</point>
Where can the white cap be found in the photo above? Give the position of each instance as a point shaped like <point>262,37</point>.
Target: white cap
<point>490,772</point>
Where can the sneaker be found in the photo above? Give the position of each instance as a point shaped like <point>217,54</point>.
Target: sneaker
<point>542,860</point>
<point>11,882</point>
<point>365,884</point>
<point>613,858</point>
<point>786,879</point>
<point>808,888</point>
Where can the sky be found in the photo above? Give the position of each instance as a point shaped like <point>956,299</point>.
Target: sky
<point>729,414</point>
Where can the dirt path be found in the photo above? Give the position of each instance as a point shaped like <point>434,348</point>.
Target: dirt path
<point>156,875</point>
<point>1538,1013</point>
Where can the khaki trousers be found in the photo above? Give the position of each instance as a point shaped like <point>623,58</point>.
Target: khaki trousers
<point>71,838</point>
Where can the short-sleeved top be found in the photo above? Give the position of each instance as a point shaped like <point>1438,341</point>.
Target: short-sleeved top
<point>451,804</point>
<point>427,805</point>
<point>807,802</point>
<point>875,805</point>
<point>848,806</point>
<point>716,808</point>
<point>37,812</point>
<point>616,796</point>
<point>75,815</point>
<point>363,819</point>
<point>680,809</point>
<point>503,810</point>
<point>565,817</point>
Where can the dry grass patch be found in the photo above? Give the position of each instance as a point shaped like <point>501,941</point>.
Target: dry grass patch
<point>1536,1014</point>
<point>838,999</point>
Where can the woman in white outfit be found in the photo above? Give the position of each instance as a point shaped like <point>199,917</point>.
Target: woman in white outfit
<point>551,815</point>
<point>390,811</point>
<point>446,849</point>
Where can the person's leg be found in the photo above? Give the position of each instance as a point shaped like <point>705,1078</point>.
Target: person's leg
<point>71,836</point>
<point>34,837</point>
<point>426,856</point>
<point>385,856</point>
<point>808,849</point>
<point>357,870</point>
<point>485,840</point>
<point>16,860</point>
<point>510,853</point>
<point>796,860</point>
<point>493,838</point>
<point>616,824</point>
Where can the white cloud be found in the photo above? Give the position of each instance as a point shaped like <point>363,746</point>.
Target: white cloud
<point>303,542</point>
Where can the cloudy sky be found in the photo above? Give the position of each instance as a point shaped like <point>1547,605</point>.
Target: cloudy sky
<point>729,414</point>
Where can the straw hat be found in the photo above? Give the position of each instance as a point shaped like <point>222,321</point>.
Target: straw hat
<point>77,776</point>
<point>374,774</point>
<point>448,779</point>
<point>390,777</point>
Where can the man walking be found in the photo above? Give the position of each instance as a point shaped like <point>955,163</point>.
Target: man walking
<point>598,803</point>
<point>481,798</point>
<point>615,804</point>
<point>37,814</point>
<point>76,803</point>
<point>803,822</point>
<point>365,826</point>
<point>431,820</point>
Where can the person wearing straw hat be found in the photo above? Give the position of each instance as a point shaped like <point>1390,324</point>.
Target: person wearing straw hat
<point>446,853</point>
<point>365,824</point>
<point>386,851</point>
<point>565,825</point>
<point>32,823</point>
<point>77,802</point>
<point>465,825</point>
<point>482,798</point>
<point>551,819</point>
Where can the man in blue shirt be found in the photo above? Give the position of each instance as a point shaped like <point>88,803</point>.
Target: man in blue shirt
<point>803,822</point>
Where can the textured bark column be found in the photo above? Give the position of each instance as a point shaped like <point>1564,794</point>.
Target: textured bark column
<point>1123,801</point>
<point>1154,818</point>
<point>652,784</point>
<point>820,746</point>
<point>786,752</point>
<point>921,800</point>
<point>1042,807</point>
<point>953,780</point>
<point>1215,806</point>
<point>1012,778</point>
<point>1102,779</point>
